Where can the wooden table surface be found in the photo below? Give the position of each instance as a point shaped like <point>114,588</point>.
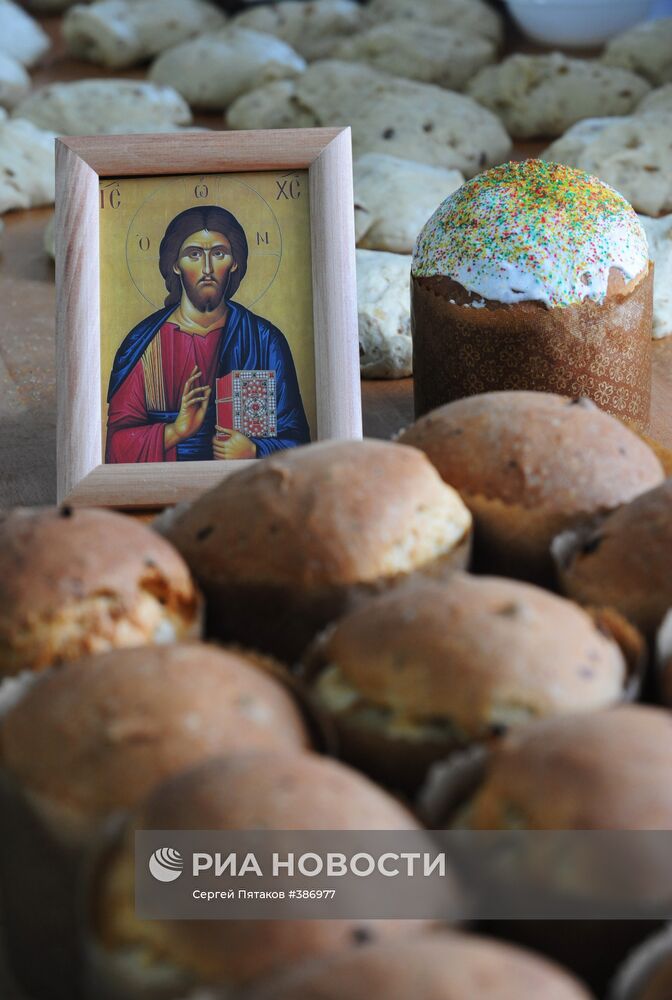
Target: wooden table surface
<point>27,305</point>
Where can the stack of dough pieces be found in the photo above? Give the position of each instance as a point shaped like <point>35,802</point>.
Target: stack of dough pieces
<point>474,16</point>
<point>432,53</point>
<point>312,27</point>
<point>26,164</point>
<point>385,345</point>
<point>646,49</point>
<point>22,43</point>
<point>14,81</point>
<point>633,154</point>
<point>387,114</point>
<point>544,95</point>
<point>89,107</point>
<point>395,197</point>
<point>417,142</point>
<point>393,200</point>
<point>414,142</point>
<point>642,167</point>
<point>443,43</point>
<point>213,70</point>
<point>99,107</point>
<point>656,101</point>
<point>21,37</point>
<point>118,33</point>
<point>659,237</point>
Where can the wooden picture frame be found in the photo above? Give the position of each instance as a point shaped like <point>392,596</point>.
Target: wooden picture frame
<point>81,164</point>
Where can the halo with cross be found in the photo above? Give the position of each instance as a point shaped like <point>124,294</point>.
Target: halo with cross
<point>175,194</point>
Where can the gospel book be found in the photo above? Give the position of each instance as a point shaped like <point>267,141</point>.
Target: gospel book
<point>246,402</point>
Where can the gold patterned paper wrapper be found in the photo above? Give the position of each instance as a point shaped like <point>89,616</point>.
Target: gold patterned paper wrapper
<point>293,616</point>
<point>599,350</point>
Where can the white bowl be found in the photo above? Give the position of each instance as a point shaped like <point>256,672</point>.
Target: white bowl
<point>579,24</point>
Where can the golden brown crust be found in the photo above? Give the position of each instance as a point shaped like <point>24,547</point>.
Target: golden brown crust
<point>438,966</point>
<point>283,619</point>
<point>607,770</point>
<point>529,464</point>
<point>288,790</point>
<point>417,673</point>
<point>338,512</point>
<point>99,734</point>
<point>77,581</point>
<point>282,791</point>
<point>471,648</point>
<point>601,350</point>
<point>624,561</point>
<point>661,451</point>
<point>288,545</point>
<point>532,449</point>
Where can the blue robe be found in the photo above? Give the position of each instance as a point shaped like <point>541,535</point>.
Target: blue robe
<point>248,342</point>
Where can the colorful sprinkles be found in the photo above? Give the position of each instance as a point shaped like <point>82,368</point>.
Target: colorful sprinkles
<point>533,230</point>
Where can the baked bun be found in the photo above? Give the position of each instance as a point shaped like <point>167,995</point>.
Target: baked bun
<point>288,544</point>
<point>416,673</point>
<point>528,464</point>
<point>77,581</point>
<point>273,791</point>
<point>100,734</point>
<point>533,275</point>
<point>439,966</point>
<point>624,560</point>
<point>607,770</point>
<point>94,737</point>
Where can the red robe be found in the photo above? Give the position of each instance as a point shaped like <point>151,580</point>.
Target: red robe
<point>131,437</point>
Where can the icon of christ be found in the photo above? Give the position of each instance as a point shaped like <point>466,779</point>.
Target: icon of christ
<point>161,395</point>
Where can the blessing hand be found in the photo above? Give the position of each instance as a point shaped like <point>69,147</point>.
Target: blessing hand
<point>234,445</point>
<point>193,407</point>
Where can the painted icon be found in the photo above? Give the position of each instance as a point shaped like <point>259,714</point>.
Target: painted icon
<point>204,376</point>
